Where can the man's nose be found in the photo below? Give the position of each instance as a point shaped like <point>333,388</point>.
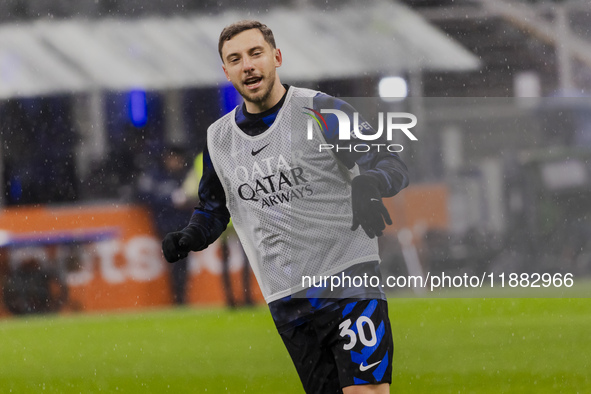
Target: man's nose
<point>247,64</point>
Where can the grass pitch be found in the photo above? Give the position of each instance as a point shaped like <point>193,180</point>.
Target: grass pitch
<point>441,346</point>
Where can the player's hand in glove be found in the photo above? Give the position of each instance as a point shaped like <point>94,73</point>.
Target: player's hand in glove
<point>177,245</point>
<point>368,210</point>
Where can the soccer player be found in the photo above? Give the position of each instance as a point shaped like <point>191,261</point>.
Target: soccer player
<point>297,210</point>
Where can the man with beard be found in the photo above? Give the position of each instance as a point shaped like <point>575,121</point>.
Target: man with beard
<point>297,211</point>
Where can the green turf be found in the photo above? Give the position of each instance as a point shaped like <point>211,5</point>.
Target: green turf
<point>441,346</point>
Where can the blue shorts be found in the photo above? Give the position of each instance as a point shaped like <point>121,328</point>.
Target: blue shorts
<point>351,345</point>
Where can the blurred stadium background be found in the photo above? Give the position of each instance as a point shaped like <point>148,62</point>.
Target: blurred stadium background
<point>93,92</point>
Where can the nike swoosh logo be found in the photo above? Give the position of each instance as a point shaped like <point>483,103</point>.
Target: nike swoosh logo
<point>366,367</point>
<point>256,152</point>
<point>374,199</point>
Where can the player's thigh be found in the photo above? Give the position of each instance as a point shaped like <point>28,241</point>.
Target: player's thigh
<point>383,388</point>
<point>363,345</point>
<point>312,359</point>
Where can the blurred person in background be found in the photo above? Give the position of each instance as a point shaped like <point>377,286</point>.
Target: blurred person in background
<point>339,342</point>
<point>159,188</point>
<point>191,190</point>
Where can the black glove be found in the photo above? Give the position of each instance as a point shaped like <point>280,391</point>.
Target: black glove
<point>368,209</point>
<point>177,245</point>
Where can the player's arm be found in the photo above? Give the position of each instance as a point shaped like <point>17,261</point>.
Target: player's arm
<point>382,173</point>
<point>386,168</point>
<point>208,222</point>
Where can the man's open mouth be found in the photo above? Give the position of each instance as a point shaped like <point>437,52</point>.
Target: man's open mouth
<point>252,82</point>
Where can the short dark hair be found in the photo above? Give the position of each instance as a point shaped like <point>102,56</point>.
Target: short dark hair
<point>238,27</point>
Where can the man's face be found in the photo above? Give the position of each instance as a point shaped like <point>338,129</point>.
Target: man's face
<point>250,63</point>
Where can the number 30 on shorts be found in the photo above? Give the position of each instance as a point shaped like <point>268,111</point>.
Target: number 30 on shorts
<point>346,331</point>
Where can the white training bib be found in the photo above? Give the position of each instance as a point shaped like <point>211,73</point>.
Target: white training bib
<point>290,203</point>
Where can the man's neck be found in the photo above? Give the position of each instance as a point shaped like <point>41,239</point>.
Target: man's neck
<point>275,96</point>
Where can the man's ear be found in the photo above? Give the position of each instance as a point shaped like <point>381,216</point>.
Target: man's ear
<point>226,72</point>
<point>278,57</point>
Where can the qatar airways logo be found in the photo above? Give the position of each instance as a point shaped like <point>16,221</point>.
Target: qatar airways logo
<point>395,122</point>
